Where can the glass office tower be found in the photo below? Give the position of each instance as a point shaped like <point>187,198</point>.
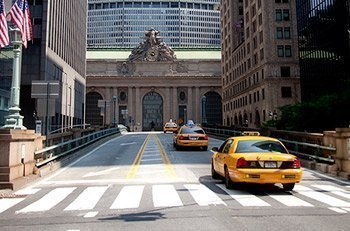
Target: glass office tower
<point>121,23</point>
<point>323,34</point>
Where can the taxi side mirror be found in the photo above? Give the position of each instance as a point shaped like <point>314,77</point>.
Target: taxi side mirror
<point>215,149</point>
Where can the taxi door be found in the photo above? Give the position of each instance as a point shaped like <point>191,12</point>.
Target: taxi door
<point>223,155</point>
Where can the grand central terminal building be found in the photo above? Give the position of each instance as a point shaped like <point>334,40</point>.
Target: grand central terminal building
<point>153,84</point>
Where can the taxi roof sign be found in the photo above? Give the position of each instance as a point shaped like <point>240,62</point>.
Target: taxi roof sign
<point>250,133</point>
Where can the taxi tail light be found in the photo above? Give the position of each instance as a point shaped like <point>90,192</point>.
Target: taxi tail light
<point>296,163</point>
<point>242,163</point>
<point>205,137</point>
<point>181,137</point>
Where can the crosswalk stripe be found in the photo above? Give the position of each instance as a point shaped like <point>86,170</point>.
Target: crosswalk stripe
<point>49,200</point>
<point>7,203</point>
<point>244,198</point>
<point>165,196</point>
<point>332,189</point>
<point>338,210</point>
<point>87,199</point>
<point>128,198</point>
<point>203,195</point>
<point>27,191</point>
<point>290,200</point>
<point>324,198</point>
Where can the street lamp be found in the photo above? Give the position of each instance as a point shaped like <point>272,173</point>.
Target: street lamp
<point>114,117</point>
<point>14,120</point>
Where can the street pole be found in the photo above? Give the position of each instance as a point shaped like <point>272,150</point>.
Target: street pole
<point>14,120</point>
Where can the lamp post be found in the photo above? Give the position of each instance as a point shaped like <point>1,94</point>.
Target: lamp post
<point>14,120</point>
<point>114,117</point>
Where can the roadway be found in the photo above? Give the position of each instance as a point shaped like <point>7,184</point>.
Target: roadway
<point>138,181</point>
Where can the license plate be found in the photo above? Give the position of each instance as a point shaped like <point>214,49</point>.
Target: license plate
<point>270,164</point>
<point>193,138</point>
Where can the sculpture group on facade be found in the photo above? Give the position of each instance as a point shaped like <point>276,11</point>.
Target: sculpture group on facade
<point>152,49</point>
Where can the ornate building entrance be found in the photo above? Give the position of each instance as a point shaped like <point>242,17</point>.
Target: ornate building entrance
<point>152,112</point>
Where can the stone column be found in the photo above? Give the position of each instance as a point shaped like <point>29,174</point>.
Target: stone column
<point>197,106</point>
<point>167,106</point>
<point>108,109</point>
<point>189,105</point>
<point>175,105</point>
<point>130,104</point>
<point>138,111</point>
<point>115,104</point>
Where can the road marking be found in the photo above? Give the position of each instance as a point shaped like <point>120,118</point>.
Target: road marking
<point>27,191</point>
<point>291,200</point>
<point>73,163</point>
<point>87,199</point>
<point>244,198</point>
<point>136,163</point>
<point>128,198</point>
<point>165,196</point>
<point>7,203</point>
<point>49,200</point>
<point>334,190</point>
<point>90,214</point>
<point>324,198</point>
<point>338,210</point>
<point>328,177</point>
<point>203,196</point>
<point>100,173</point>
<point>169,168</point>
<point>123,144</point>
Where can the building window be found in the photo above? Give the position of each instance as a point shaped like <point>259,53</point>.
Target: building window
<point>286,33</point>
<point>279,33</point>
<point>286,15</point>
<point>280,51</point>
<point>285,71</point>
<point>278,15</point>
<point>261,53</point>
<point>288,51</point>
<point>261,37</point>
<point>286,92</point>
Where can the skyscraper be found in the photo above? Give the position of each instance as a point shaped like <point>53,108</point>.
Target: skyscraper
<point>324,36</point>
<point>57,52</point>
<point>182,23</point>
<point>259,60</point>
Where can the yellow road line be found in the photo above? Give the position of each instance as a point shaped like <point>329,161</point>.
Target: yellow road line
<point>169,168</point>
<point>136,163</point>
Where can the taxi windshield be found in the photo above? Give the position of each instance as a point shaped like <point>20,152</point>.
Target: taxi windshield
<point>245,146</point>
<point>171,125</point>
<point>192,130</point>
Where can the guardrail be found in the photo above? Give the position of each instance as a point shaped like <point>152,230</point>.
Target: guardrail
<point>303,150</point>
<point>53,152</point>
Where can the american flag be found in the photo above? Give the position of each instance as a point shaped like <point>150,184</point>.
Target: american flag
<point>4,36</point>
<point>20,16</point>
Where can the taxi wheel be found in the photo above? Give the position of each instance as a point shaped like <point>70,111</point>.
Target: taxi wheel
<point>214,174</point>
<point>288,187</point>
<point>228,181</point>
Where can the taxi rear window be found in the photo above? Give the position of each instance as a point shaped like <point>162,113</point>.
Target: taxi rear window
<point>192,130</point>
<point>171,125</point>
<point>245,146</point>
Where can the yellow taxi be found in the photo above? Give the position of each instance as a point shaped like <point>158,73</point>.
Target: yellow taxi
<point>190,136</point>
<point>255,159</point>
<point>170,127</point>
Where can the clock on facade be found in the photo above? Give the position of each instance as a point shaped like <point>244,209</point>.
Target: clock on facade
<point>152,54</point>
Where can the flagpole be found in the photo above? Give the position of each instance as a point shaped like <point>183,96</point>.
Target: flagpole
<point>14,120</point>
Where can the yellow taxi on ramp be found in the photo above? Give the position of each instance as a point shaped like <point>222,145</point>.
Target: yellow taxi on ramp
<point>170,127</point>
<point>190,136</point>
<point>255,159</point>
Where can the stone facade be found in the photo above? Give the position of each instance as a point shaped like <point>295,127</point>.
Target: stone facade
<point>180,85</point>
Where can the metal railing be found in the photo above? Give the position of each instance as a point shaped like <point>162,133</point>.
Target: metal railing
<point>53,152</point>
<point>303,150</point>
